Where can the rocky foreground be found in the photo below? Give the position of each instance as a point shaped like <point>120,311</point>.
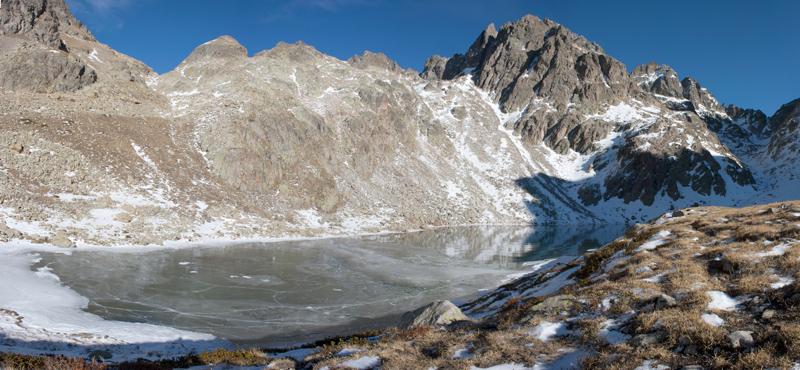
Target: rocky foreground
<point>699,288</point>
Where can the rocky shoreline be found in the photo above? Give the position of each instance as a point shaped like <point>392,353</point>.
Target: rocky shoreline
<point>698,288</point>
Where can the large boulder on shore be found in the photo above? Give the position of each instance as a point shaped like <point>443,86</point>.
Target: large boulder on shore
<point>435,314</point>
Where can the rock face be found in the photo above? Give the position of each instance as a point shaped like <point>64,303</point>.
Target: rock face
<point>439,313</point>
<point>377,60</point>
<point>784,125</point>
<point>647,134</point>
<point>43,71</point>
<point>34,56</point>
<point>45,21</point>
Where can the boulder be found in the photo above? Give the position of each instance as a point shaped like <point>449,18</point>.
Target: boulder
<point>741,339</point>
<point>659,302</point>
<point>664,301</point>
<point>555,304</point>
<point>435,314</point>
<point>9,232</point>
<point>721,265</point>
<point>644,340</point>
<point>124,217</point>
<point>60,239</point>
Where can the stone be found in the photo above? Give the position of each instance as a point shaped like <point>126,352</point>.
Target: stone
<point>439,313</point>
<point>665,301</point>
<point>124,217</point>
<point>768,314</point>
<point>648,339</point>
<point>282,364</point>
<point>17,148</point>
<point>741,339</point>
<point>659,302</point>
<point>555,303</point>
<point>60,239</point>
<point>9,232</point>
<point>721,265</point>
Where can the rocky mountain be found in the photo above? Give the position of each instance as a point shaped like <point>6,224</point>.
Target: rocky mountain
<point>641,137</point>
<point>533,123</point>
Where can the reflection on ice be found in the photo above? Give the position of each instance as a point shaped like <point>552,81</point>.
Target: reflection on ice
<point>286,292</point>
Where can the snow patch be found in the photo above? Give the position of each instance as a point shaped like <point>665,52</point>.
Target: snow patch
<point>721,301</point>
<point>655,241</point>
<point>93,56</point>
<point>777,250</point>
<point>651,365</point>
<point>610,332</point>
<point>712,319</point>
<point>462,354</point>
<point>781,282</point>
<point>504,367</point>
<point>546,330</point>
<point>363,363</point>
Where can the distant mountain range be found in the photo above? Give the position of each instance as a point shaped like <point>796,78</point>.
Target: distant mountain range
<point>533,123</point>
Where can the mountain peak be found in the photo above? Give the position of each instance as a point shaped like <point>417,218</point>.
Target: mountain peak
<point>223,47</point>
<point>372,59</point>
<point>490,30</point>
<point>298,51</point>
<point>43,21</point>
<point>786,113</point>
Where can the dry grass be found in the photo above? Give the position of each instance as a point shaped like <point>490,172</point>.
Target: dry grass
<point>788,337</point>
<point>624,357</point>
<point>681,326</point>
<point>762,359</point>
<point>593,261</point>
<point>239,357</point>
<point>9,361</point>
<point>756,282</point>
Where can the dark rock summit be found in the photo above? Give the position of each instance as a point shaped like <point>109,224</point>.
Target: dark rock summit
<point>34,56</point>
<point>45,21</point>
<point>785,125</point>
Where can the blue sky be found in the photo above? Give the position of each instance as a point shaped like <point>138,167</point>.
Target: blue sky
<point>746,52</point>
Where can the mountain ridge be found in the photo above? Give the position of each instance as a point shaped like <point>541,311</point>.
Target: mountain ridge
<point>532,124</point>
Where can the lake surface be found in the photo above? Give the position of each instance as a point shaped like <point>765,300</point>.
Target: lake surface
<point>289,292</point>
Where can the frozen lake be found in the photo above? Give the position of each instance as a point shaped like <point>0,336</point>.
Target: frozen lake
<point>288,292</point>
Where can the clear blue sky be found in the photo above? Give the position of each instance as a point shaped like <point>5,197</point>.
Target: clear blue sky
<point>745,52</point>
